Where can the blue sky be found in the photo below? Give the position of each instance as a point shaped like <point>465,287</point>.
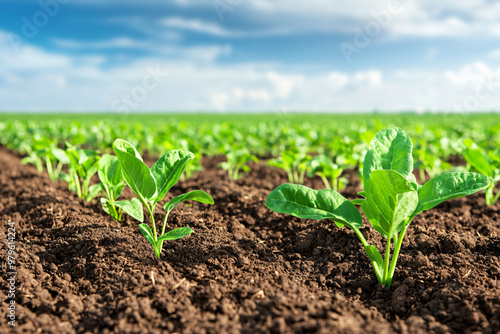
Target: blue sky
<point>242,55</point>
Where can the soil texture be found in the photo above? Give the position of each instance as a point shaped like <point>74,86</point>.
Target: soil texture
<point>245,269</point>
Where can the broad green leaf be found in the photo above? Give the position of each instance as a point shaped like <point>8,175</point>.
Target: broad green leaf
<point>168,169</point>
<point>94,190</point>
<point>148,234</point>
<point>60,155</point>
<point>476,159</point>
<point>390,149</point>
<point>390,198</point>
<point>73,157</point>
<point>110,165</point>
<point>176,234</point>
<point>448,186</point>
<point>376,260</point>
<point>135,171</point>
<point>358,201</point>
<point>125,146</point>
<point>133,208</point>
<point>195,195</point>
<point>303,202</point>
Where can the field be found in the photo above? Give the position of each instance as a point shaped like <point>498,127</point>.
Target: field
<point>246,268</point>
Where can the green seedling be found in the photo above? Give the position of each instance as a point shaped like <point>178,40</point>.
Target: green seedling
<point>112,183</point>
<point>152,185</point>
<point>83,164</point>
<point>488,164</point>
<point>237,160</point>
<point>45,150</point>
<point>329,172</point>
<point>428,162</point>
<point>294,163</point>
<point>392,197</point>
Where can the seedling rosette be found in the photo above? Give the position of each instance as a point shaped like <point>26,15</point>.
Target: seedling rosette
<point>151,186</point>
<point>488,164</point>
<point>392,197</point>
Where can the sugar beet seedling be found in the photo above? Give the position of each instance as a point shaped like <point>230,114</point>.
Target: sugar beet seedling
<point>151,186</point>
<point>392,197</point>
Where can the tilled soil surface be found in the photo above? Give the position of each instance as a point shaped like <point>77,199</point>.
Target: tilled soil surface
<point>244,270</point>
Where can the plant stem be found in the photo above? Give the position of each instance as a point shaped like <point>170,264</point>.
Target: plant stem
<point>386,259</point>
<point>496,198</point>
<point>325,181</point>
<point>361,237</point>
<point>150,210</point>
<point>397,248</point>
<point>164,224</point>
<point>77,184</point>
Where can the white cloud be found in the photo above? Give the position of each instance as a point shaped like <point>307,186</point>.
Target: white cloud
<point>39,80</point>
<point>210,28</point>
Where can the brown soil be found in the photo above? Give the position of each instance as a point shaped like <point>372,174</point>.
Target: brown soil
<point>245,269</point>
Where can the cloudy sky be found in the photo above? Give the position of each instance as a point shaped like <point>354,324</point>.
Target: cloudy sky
<point>249,55</point>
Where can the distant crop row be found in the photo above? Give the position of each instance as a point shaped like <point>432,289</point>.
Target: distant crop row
<point>301,146</point>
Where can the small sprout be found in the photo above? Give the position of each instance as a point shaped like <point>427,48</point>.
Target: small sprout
<point>237,160</point>
<point>45,150</point>
<point>329,172</point>
<point>294,163</point>
<point>151,186</point>
<point>488,164</point>
<point>112,183</point>
<point>392,197</point>
<point>83,164</point>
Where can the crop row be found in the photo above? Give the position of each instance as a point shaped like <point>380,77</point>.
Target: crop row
<point>391,197</point>
<point>318,145</point>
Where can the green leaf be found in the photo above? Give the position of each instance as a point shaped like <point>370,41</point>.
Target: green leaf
<point>390,198</point>
<point>303,202</point>
<point>94,190</point>
<point>111,168</point>
<point>175,234</point>
<point>195,195</point>
<point>60,155</point>
<point>133,208</point>
<point>376,260</point>
<point>477,160</point>
<point>358,201</point>
<point>390,149</point>
<point>135,171</point>
<point>168,169</point>
<point>148,234</point>
<point>448,186</point>
<point>106,205</point>
<point>126,147</point>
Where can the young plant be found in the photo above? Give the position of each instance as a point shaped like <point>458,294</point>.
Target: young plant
<point>112,183</point>
<point>294,163</point>
<point>151,186</point>
<point>329,172</point>
<point>83,164</point>
<point>393,197</point>
<point>45,150</point>
<point>487,164</point>
<point>428,162</point>
<point>237,160</point>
